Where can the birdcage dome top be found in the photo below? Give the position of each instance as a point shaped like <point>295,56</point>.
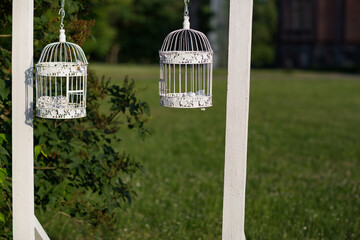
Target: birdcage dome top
<point>62,58</point>
<point>188,40</point>
<point>186,46</point>
<point>63,52</point>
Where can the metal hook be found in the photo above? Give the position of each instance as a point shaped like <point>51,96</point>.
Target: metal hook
<point>62,13</point>
<point>186,9</point>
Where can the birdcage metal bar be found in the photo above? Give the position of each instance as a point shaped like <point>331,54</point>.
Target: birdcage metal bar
<point>67,87</point>
<point>186,78</point>
<point>211,77</point>
<point>85,93</point>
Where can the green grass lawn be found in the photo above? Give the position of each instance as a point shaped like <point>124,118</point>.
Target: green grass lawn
<point>303,171</point>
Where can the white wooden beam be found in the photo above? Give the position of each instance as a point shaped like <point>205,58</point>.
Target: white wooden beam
<point>40,233</point>
<point>22,120</point>
<point>237,114</point>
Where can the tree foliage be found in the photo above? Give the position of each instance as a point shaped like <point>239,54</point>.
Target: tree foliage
<point>78,171</point>
<point>264,33</point>
<point>133,30</point>
<point>5,124</point>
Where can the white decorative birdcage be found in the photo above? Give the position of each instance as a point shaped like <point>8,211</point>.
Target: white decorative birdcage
<point>61,79</point>
<point>186,66</point>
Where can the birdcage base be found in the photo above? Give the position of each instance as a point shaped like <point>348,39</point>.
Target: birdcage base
<point>61,113</point>
<point>185,100</point>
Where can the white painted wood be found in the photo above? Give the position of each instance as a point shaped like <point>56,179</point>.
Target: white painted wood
<point>40,233</point>
<point>22,120</point>
<point>237,114</point>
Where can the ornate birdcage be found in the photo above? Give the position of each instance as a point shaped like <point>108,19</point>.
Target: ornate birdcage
<point>186,66</point>
<point>61,79</point>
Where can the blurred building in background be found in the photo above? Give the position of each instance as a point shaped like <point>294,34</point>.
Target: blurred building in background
<point>318,33</point>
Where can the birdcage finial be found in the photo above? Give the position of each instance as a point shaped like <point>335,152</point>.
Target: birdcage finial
<point>186,23</point>
<point>62,30</point>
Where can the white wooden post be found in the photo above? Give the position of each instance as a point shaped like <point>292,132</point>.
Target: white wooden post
<point>237,114</point>
<point>22,120</point>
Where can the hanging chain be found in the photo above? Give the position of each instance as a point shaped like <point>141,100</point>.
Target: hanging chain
<point>62,13</point>
<point>186,9</point>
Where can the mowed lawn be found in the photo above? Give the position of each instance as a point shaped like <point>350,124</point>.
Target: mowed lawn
<point>303,176</point>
